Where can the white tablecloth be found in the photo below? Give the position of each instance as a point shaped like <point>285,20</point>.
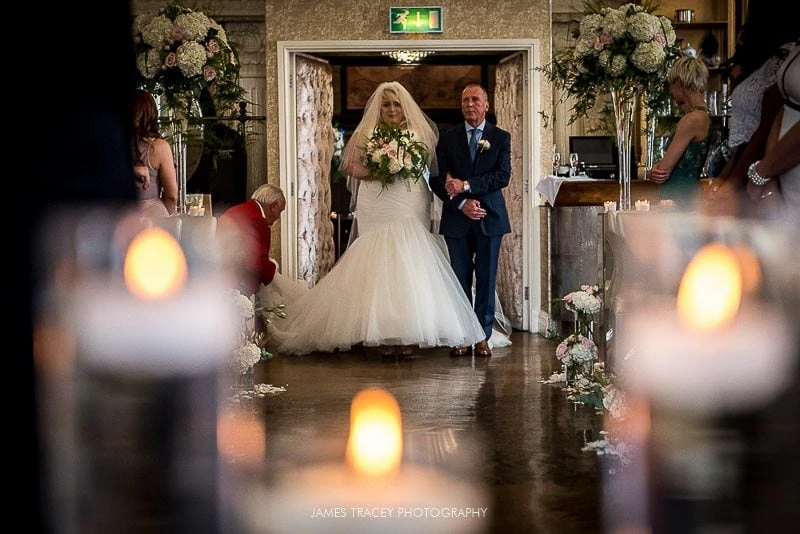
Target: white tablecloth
<point>549,185</point>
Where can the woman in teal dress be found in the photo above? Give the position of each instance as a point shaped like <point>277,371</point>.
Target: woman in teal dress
<point>679,170</point>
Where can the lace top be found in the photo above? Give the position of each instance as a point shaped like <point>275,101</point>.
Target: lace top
<point>746,101</point>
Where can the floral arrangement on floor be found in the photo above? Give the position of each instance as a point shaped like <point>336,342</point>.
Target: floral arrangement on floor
<point>626,48</point>
<point>392,153</point>
<point>585,303</point>
<point>586,381</point>
<point>576,351</point>
<point>250,347</point>
<point>180,51</point>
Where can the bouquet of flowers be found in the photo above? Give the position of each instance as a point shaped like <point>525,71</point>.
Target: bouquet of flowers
<point>585,301</point>
<point>392,153</point>
<point>626,48</point>
<point>576,350</point>
<point>178,51</point>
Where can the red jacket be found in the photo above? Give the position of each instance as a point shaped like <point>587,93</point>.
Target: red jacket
<point>246,238</point>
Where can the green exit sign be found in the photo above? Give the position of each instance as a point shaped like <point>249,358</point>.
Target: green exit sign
<point>415,20</point>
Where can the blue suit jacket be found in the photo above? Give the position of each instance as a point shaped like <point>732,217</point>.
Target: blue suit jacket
<point>487,176</point>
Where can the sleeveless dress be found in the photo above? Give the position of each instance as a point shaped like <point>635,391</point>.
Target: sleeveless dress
<point>149,200</point>
<point>683,185</point>
<point>392,286</point>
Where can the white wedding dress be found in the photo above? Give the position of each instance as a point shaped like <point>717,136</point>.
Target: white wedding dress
<point>393,285</point>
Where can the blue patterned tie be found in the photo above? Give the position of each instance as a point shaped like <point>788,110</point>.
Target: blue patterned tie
<point>473,143</point>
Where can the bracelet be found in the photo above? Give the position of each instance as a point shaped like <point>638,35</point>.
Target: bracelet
<point>754,177</point>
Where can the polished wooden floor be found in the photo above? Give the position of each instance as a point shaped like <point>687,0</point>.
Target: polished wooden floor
<point>517,438</point>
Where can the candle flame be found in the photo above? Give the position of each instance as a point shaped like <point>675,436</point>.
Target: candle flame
<point>375,444</point>
<point>155,266</point>
<point>711,289</point>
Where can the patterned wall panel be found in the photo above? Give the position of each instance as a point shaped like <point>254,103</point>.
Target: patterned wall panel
<point>314,96</point>
<point>508,108</point>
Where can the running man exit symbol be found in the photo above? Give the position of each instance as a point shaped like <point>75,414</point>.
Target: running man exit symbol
<point>415,20</point>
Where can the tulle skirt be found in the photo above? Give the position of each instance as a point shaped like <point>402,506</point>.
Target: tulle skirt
<point>393,285</point>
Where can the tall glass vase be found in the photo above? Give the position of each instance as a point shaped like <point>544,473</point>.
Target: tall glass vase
<point>178,130</point>
<point>624,102</point>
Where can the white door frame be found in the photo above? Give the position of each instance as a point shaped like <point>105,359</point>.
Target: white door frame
<point>287,50</point>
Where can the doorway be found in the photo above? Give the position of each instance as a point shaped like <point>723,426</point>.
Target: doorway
<point>520,87</point>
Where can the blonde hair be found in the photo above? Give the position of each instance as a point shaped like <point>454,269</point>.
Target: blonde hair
<point>415,120</point>
<point>268,194</point>
<point>691,72</point>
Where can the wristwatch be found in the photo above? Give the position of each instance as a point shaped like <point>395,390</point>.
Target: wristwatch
<point>466,186</point>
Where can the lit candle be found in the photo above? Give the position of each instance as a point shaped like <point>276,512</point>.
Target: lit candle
<point>150,336</point>
<point>610,205</point>
<point>160,321</point>
<point>373,492</point>
<point>714,349</point>
<point>642,205</point>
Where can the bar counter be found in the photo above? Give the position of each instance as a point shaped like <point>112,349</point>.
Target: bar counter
<point>576,239</point>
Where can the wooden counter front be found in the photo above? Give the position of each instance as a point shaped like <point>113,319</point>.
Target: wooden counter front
<point>595,192</point>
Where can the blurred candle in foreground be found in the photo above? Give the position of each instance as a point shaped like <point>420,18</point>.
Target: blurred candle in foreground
<point>711,289</point>
<point>375,443</point>
<point>133,438</point>
<point>714,348</point>
<point>372,492</point>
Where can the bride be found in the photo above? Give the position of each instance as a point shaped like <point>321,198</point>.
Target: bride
<point>394,286</point>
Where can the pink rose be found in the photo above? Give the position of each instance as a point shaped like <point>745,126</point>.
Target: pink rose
<point>171,60</point>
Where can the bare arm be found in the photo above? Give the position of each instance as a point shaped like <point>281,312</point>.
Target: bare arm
<point>352,159</point>
<point>781,154</point>
<point>692,126</point>
<point>163,161</point>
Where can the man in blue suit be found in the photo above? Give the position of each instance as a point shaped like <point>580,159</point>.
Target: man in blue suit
<point>474,160</point>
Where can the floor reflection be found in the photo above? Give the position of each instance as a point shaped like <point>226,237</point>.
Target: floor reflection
<point>490,421</point>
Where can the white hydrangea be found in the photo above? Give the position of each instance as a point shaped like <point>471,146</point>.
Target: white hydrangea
<point>643,27</point>
<point>244,357</point>
<point>191,57</point>
<point>220,31</point>
<point>576,349</point>
<point>605,59</point>
<point>618,64</point>
<point>583,47</point>
<point>195,25</point>
<point>591,23</point>
<point>615,23</point>
<point>158,31</point>
<point>668,31</point>
<point>140,21</point>
<point>148,63</point>
<point>584,301</point>
<point>244,306</point>
<point>648,57</point>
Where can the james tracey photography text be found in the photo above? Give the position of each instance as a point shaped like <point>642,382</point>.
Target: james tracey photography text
<point>355,512</point>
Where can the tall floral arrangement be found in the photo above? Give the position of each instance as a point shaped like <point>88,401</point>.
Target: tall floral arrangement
<point>393,153</point>
<point>180,51</point>
<point>626,48</point>
<point>585,303</point>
